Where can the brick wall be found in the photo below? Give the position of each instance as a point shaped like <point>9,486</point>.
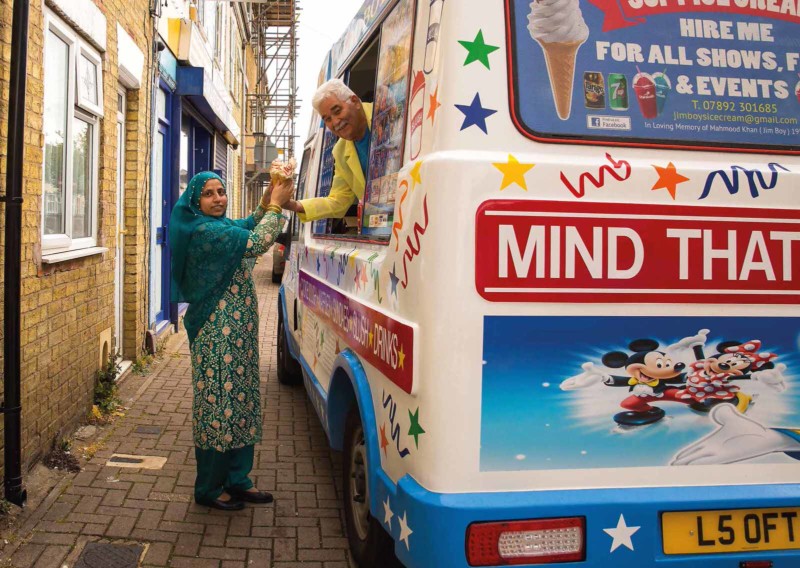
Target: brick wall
<point>67,306</point>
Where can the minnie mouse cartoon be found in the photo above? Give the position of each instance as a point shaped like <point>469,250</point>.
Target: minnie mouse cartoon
<point>709,378</point>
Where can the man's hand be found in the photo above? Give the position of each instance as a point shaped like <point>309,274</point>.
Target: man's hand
<point>282,193</point>
<point>589,377</point>
<point>295,206</point>
<point>737,438</point>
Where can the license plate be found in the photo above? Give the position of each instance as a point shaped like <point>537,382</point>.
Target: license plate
<point>740,530</point>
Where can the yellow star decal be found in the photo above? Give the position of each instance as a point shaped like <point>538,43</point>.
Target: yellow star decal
<point>351,258</point>
<point>514,172</point>
<point>414,173</point>
<point>668,178</point>
<point>370,338</point>
<point>401,358</point>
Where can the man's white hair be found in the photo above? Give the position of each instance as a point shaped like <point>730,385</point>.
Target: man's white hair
<point>334,87</point>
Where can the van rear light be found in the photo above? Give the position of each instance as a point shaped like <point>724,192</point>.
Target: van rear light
<point>539,541</point>
<point>755,564</point>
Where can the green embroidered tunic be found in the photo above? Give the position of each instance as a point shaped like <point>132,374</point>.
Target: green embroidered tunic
<point>227,403</point>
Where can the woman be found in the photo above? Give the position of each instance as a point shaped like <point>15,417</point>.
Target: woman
<point>212,262</point>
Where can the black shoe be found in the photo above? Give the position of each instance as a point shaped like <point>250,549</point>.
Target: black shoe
<point>261,497</point>
<point>231,504</point>
<point>631,418</point>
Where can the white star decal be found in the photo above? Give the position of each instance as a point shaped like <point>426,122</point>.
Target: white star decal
<point>405,531</point>
<point>387,514</point>
<point>621,534</point>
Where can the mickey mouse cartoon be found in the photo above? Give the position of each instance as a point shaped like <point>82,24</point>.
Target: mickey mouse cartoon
<point>652,377</point>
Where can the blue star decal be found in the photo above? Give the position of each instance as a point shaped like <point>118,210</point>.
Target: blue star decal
<point>394,279</point>
<point>317,265</point>
<point>475,114</point>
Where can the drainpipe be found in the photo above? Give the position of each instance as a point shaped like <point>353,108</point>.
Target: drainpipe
<point>242,181</point>
<point>11,406</point>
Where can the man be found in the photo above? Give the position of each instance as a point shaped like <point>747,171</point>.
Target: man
<point>347,117</point>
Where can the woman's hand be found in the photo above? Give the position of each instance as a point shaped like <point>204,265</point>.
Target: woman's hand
<point>266,196</point>
<point>282,193</point>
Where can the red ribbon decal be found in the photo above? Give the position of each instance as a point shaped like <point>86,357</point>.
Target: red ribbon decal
<point>620,14</point>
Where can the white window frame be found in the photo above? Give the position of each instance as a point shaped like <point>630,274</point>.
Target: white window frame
<point>60,243</point>
<point>97,109</point>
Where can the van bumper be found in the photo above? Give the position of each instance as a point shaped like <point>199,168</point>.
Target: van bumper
<point>438,522</point>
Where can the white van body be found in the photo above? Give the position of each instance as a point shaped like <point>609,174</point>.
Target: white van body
<point>535,262</point>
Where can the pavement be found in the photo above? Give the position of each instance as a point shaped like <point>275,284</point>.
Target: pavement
<point>154,507</point>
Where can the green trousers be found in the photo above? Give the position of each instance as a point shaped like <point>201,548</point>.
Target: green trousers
<point>218,471</point>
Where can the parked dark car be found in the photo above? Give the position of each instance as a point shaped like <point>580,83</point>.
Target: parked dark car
<point>281,251</point>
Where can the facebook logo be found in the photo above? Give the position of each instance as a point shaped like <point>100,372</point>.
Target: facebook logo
<point>595,122</point>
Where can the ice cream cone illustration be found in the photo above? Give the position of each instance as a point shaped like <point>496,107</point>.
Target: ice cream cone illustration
<point>560,58</point>
<point>559,28</point>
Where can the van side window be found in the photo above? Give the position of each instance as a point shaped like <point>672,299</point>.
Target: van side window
<point>388,120</point>
<point>360,77</point>
<point>301,190</point>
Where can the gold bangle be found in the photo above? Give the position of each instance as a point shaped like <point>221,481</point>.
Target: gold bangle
<point>274,208</point>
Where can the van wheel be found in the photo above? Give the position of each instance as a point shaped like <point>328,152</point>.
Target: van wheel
<point>289,372</point>
<point>370,544</point>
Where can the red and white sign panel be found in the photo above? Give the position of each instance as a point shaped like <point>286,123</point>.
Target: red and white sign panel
<point>554,251</point>
<point>385,342</point>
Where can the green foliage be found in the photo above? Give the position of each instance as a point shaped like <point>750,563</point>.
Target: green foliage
<point>142,365</point>
<point>105,389</point>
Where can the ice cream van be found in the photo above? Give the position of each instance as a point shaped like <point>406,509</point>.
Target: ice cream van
<point>562,326</point>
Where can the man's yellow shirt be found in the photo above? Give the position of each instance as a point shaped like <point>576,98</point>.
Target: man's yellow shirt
<point>348,181</point>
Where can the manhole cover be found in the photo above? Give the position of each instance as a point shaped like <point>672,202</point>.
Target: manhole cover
<point>138,462</point>
<point>148,430</point>
<point>107,555</point>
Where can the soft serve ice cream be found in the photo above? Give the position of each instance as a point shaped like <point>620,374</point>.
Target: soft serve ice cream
<point>280,171</point>
<point>559,28</point>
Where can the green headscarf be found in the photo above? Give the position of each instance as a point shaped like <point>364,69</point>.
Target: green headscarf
<point>206,251</point>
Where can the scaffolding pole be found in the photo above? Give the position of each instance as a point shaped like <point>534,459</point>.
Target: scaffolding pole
<point>272,104</point>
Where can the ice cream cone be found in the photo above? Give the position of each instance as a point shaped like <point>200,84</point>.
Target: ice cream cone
<point>560,58</point>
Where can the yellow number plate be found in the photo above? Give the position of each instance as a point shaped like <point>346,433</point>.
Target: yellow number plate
<point>741,530</point>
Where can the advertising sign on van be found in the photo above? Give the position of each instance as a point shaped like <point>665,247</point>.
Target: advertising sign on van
<point>544,251</point>
<point>382,341</point>
<point>716,72</point>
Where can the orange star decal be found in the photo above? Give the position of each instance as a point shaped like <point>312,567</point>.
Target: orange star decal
<point>668,178</point>
<point>434,104</point>
<point>384,439</point>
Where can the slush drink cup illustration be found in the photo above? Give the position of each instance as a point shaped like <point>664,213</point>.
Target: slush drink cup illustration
<point>645,89</point>
<point>559,28</point>
<point>797,89</point>
<point>663,87</point>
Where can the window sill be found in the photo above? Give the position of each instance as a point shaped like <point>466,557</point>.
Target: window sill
<point>72,254</point>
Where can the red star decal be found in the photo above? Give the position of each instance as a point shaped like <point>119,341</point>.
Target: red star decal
<point>384,440</point>
<point>668,178</point>
<point>434,104</point>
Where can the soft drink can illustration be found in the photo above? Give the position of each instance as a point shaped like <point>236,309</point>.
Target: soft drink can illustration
<point>617,91</point>
<point>594,90</point>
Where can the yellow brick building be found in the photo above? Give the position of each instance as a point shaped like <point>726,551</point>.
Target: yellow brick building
<point>98,75</point>
<point>84,59</point>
